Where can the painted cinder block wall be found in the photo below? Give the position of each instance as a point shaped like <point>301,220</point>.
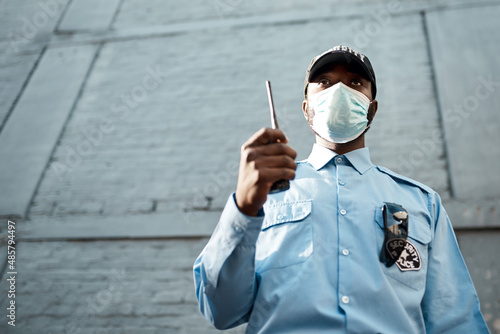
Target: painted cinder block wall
<point>147,104</point>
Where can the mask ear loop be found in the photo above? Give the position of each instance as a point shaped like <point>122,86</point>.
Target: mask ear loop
<point>370,120</point>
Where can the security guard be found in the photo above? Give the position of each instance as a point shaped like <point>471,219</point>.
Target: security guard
<point>351,247</point>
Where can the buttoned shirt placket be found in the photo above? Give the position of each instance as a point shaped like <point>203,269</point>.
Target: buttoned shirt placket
<point>343,231</point>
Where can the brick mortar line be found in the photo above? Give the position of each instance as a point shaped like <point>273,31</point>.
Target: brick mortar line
<point>61,133</point>
<point>23,87</point>
<point>175,29</point>
<point>138,238</point>
<point>61,17</point>
<point>450,6</point>
<point>427,37</point>
<point>115,15</point>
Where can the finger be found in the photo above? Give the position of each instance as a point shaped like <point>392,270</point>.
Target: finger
<point>276,161</point>
<point>276,149</point>
<point>264,136</point>
<point>271,175</point>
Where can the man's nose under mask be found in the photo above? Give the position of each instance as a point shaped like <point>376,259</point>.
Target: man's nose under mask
<point>340,113</point>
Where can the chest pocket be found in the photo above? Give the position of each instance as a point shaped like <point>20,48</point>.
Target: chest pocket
<point>413,257</point>
<point>286,235</point>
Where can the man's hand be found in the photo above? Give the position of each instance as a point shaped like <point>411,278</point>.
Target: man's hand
<point>265,159</point>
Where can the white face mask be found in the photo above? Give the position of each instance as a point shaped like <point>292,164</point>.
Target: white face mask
<point>340,113</point>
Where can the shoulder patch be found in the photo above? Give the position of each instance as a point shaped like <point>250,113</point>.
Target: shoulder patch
<point>405,179</point>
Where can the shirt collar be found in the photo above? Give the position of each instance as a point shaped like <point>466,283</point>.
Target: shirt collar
<point>359,158</point>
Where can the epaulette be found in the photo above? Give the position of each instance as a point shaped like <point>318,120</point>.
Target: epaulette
<point>405,179</point>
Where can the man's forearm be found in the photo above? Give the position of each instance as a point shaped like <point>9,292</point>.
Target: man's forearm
<point>224,273</point>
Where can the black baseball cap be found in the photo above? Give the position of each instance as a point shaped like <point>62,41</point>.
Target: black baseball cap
<point>342,53</point>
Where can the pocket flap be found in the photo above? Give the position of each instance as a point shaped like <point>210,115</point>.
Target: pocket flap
<point>419,231</point>
<point>285,212</point>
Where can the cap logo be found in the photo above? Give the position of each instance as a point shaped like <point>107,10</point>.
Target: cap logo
<point>348,49</point>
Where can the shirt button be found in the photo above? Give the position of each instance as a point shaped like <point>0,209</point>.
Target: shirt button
<point>280,217</point>
<point>341,183</point>
<point>342,212</point>
<point>345,252</point>
<point>237,228</point>
<point>345,300</point>
<point>339,160</point>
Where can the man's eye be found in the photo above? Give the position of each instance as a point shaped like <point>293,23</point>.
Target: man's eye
<point>324,82</point>
<point>356,82</point>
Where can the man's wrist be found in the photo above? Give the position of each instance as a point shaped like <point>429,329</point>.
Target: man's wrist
<point>248,210</point>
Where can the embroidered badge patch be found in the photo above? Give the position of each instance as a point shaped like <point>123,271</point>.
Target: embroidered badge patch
<point>409,258</point>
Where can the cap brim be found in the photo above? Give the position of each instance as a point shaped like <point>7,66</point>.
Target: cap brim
<point>340,57</point>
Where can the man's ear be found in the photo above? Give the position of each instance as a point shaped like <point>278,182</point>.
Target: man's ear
<point>304,109</point>
<point>372,111</point>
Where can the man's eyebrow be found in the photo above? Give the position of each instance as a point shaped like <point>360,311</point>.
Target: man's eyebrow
<point>317,76</point>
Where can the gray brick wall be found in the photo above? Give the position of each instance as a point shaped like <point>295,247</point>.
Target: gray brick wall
<point>149,151</point>
<point>218,106</point>
<point>112,286</point>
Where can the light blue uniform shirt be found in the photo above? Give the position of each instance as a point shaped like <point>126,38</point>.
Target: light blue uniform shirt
<point>310,263</point>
